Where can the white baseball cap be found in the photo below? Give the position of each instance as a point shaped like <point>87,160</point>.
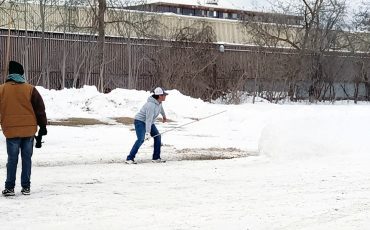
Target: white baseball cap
<point>159,91</point>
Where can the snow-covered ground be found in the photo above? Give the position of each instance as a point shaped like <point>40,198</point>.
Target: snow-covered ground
<point>294,166</point>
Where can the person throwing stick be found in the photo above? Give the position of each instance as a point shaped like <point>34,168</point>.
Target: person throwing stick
<point>145,127</point>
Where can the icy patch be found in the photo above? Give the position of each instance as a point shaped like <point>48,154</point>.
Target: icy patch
<point>169,153</point>
<point>212,154</point>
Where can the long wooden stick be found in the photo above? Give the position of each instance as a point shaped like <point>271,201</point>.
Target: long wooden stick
<point>199,119</point>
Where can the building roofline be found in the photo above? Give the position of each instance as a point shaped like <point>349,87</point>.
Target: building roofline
<point>211,7</point>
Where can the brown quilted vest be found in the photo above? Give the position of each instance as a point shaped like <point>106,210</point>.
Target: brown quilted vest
<point>17,116</point>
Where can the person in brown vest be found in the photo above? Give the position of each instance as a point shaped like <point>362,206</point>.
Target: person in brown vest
<point>21,109</point>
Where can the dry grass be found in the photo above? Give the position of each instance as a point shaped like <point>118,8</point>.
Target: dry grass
<point>75,121</point>
<point>205,157</point>
<point>124,120</point>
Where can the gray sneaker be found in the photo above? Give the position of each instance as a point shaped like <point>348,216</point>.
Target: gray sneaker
<point>159,160</point>
<point>130,162</point>
<point>26,191</point>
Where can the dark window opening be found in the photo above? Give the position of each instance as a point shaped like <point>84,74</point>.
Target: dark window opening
<point>198,13</point>
<point>186,11</point>
<point>172,9</point>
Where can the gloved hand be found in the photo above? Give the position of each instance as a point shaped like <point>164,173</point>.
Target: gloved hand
<point>38,141</point>
<point>147,136</point>
<point>43,131</point>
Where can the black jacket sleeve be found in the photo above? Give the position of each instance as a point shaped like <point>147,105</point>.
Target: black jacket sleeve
<point>38,107</point>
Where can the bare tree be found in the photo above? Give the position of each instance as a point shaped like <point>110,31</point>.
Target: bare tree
<point>189,62</point>
<point>102,7</point>
<point>65,23</point>
<point>361,19</point>
<point>9,24</point>
<point>44,54</point>
<point>132,25</point>
<point>319,31</point>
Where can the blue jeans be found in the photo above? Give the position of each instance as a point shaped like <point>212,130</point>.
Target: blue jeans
<point>140,133</point>
<point>13,145</point>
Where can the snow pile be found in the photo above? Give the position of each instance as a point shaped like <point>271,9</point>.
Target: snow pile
<point>326,130</point>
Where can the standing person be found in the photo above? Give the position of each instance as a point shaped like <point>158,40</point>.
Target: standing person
<point>21,110</point>
<point>145,127</point>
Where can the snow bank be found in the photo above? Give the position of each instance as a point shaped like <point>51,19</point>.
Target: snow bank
<point>89,102</point>
<point>327,130</point>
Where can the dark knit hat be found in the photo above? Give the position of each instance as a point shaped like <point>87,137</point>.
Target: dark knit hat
<point>15,67</point>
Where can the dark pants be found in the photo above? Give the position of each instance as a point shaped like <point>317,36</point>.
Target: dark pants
<point>13,145</point>
<point>140,133</point>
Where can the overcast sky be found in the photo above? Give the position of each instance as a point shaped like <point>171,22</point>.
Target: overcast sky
<point>250,4</point>
<point>266,4</point>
